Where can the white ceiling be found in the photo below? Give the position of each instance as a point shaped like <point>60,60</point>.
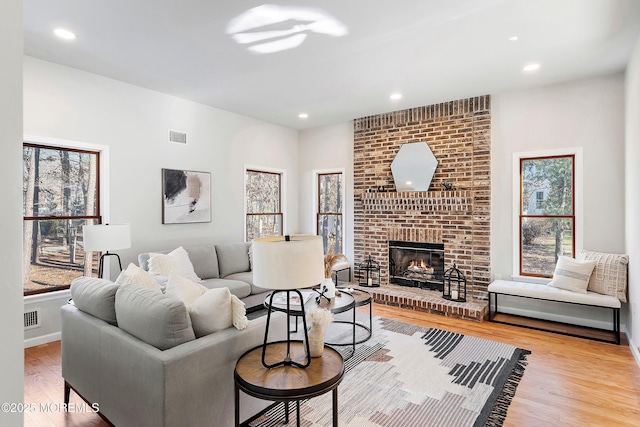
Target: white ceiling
<point>429,50</point>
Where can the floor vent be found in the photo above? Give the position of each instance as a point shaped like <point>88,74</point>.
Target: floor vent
<point>177,136</point>
<point>32,319</point>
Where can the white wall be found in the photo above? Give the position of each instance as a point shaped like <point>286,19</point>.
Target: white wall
<point>586,113</point>
<point>12,356</point>
<point>632,190</point>
<point>329,147</point>
<point>68,104</point>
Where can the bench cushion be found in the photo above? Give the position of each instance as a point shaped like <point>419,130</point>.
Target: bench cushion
<point>535,290</point>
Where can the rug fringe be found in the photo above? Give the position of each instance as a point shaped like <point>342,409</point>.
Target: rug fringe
<point>499,412</point>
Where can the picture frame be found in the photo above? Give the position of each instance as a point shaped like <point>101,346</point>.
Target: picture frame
<point>186,196</point>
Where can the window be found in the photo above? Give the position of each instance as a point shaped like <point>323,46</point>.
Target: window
<point>329,215</point>
<point>547,213</point>
<point>263,198</point>
<point>60,194</point>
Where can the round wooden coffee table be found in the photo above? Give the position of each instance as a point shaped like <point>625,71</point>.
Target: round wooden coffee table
<point>288,383</point>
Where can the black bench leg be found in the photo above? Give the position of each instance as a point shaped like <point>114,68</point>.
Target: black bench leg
<point>67,392</point>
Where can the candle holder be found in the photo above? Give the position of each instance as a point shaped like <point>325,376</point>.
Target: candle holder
<point>455,285</point>
<point>369,273</point>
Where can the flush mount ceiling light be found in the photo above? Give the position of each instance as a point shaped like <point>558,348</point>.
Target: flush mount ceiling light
<point>513,39</point>
<point>303,115</point>
<point>534,66</point>
<point>395,96</point>
<point>64,34</point>
<point>288,27</point>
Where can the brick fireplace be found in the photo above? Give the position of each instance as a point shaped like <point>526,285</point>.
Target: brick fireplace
<point>459,135</point>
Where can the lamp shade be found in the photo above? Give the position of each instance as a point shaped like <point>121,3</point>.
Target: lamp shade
<point>284,264</point>
<point>105,237</point>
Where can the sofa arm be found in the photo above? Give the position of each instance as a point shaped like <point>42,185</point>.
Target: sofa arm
<point>188,385</point>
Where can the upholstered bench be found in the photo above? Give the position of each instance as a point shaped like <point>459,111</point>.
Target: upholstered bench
<point>545,292</point>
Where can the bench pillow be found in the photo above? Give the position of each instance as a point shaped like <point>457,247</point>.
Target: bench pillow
<point>610,274</point>
<point>152,317</point>
<point>572,275</point>
<point>96,297</point>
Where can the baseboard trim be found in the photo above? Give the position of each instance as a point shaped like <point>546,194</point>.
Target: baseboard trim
<point>634,350</point>
<point>43,339</point>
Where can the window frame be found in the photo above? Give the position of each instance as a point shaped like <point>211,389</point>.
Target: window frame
<point>102,200</point>
<point>578,208</point>
<point>317,175</point>
<point>281,196</point>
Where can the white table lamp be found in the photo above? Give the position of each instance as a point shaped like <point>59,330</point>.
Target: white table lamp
<point>286,264</point>
<point>104,238</point>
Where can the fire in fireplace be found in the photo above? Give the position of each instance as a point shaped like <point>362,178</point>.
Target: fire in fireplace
<point>416,264</point>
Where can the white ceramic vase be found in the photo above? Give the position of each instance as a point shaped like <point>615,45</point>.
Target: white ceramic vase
<point>316,340</point>
<point>328,287</point>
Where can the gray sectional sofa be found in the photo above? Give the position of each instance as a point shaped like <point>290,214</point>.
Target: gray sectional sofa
<point>223,265</point>
<point>132,351</point>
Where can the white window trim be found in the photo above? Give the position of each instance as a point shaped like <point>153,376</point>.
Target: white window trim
<point>104,194</point>
<point>578,204</point>
<point>314,219</point>
<point>283,195</point>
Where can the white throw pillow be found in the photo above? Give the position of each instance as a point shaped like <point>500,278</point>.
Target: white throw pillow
<point>572,275</point>
<point>183,289</point>
<point>175,262</point>
<point>137,276</point>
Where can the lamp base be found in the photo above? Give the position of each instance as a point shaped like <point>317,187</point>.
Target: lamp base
<point>287,359</point>
<point>101,263</point>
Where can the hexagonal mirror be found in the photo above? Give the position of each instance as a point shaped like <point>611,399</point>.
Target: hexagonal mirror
<point>413,167</point>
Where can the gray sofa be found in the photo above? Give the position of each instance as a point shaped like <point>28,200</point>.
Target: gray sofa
<point>223,265</point>
<point>132,351</point>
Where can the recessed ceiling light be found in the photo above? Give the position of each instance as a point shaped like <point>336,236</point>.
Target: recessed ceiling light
<point>64,34</point>
<point>303,115</point>
<point>513,39</point>
<point>395,96</point>
<point>531,67</point>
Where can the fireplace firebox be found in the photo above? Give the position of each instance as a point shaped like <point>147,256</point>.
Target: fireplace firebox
<point>416,264</point>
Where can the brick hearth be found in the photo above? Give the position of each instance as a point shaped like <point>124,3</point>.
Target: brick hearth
<point>459,135</point>
<point>426,301</point>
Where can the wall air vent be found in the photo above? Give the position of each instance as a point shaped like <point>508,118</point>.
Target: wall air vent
<point>32,319</point>
<point>177,136</point>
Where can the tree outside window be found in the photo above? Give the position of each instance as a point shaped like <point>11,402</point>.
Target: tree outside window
<point>547,214</point>
<point>329,215</point>
<point>60,195</point>
<point>263,197</point>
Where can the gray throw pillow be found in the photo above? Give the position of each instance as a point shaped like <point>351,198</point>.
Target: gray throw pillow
<point>96,297</point>
<point>152,317</point>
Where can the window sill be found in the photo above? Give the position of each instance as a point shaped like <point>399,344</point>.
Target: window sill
<point>49,296</point>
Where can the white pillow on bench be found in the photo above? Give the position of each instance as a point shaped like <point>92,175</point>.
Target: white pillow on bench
<point>572,275</point>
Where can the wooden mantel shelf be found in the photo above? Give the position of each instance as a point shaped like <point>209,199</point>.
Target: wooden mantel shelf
<point>425,201</point>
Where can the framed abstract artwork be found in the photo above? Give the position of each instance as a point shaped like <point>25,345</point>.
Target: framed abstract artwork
<point>186,196</point>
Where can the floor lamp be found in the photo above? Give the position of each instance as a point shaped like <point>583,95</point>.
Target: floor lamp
<point>104,238</point>
<point>286,264</point>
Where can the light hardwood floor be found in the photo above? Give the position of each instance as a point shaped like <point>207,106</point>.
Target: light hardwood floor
<point>568,381</point>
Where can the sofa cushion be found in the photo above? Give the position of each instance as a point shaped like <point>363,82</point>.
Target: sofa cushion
<point>238,288</point>
<point>610,274</point>
<point>572,275</point>
<point>152,317</point>
<point>175,262</point>
<point>96,297</point>
<point>136,276</point>
<point>247,277</point>
<point>205,261</point>
<point>233,258</point>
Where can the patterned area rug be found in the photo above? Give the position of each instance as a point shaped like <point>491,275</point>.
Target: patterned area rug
<point>411,376</point>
